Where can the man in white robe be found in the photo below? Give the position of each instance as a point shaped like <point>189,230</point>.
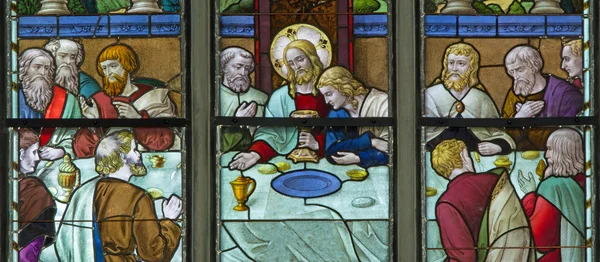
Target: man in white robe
<point>458,94</point>
<point>238,98</point>
<point>365,146</point>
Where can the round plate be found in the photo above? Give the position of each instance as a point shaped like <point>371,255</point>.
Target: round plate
<point>307,183</point>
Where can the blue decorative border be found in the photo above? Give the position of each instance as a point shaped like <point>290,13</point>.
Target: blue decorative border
<point>370,25</point>
<point>99,26</point>
<point>237,26</point>
<point>503,26</point>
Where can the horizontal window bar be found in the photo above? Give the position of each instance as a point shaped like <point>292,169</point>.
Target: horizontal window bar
<point>288,121</point>
<point>507,122</point>
<point>154,122</point>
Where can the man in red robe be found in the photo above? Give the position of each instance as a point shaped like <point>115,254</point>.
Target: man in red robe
<point>123,98</point>
<point>556,210</point>
<point>478,210</point>
<point>39,97</point>
<point>303,67</point>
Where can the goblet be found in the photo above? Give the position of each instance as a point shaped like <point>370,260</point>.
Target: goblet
<point>240,191</point>
<point>304,154</point>
<point>68,175</point>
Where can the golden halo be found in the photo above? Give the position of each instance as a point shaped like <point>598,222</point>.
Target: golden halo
<point>297,32</point>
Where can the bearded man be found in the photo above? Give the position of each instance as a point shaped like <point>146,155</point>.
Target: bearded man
<point>479,215</point>
<point>572,61</point>
<point>69,55</point>
<point>556,209</point>
<point>238,98</point>
<point>123,214</point>
<point>458,94</point>
<point>536,95</point>
<point>304,67</point>
<point>122,98</point>
<point>40,98</point>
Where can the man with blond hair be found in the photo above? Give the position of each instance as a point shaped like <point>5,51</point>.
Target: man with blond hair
<point>556,207</point>
<point>458,94</point>
<point>112,218</point>
<point>479,215</point>
<point>122,97</point>
<point>303,68</point>
<point>348,98</point>
<point>572,61</point>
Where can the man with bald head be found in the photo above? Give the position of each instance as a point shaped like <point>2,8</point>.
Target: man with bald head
<point>237,97</point>
<point>69,56</point>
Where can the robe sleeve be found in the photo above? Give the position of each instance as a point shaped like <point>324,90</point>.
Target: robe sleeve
<point>154,241</point>
<point>455,234</point>
<point>155,138</point>
<point>337,142</point>
<point>544,219</point>
<point>572,103</point>
<point>263,149</point>
<point>372,157</point>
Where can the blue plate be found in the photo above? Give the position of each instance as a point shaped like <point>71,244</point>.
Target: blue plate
<point>306,183</point>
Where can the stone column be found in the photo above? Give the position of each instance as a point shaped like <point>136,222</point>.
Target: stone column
<point>547,7</point>
<point>144,6</point>
<point>459,7</point>
<point>54,7</point>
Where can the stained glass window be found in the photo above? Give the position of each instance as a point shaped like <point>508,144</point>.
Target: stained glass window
<point>96,112</point>
<point>508,130</point>
<point>304,117</point>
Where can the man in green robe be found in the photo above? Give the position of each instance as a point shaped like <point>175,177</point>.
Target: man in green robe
<point>238,98</point>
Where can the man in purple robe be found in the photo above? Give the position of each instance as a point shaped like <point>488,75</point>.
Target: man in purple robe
<point>535,94</point>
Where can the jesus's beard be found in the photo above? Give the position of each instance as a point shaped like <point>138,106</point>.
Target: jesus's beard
<point>68,77</point>
<point>456,85</point>
<point>305,78</point>
<point>38,91</point>
<point>239,83</point>
<point>114,88</point>
<point>522,87</point>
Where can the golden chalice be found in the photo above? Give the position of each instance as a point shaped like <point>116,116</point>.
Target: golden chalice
<point>240,191</point>
<point>68,175</point>
<point>304,154</point>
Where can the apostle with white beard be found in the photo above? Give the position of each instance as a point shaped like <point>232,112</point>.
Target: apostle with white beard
<point>68,56</point>
<point>458,94</point>
<point>39,97</point>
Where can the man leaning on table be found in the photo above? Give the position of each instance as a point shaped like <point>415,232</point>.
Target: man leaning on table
<point>478,210</point>
<point>123,214</point>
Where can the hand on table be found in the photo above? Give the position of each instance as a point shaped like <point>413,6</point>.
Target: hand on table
<point>529,109</point>
<point>51,153</point>
<point>380,145</point>
<point>346,158</point>
<point>488,149</point>
<point>172,207</point>
<point>243,161</point>
<point>527,185</point>
<point>308,140</point>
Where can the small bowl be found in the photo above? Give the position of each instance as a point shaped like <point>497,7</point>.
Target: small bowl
<point>154,192</point>
<point>503,161</point>
<point>357,174</point>
<point>157,161</point>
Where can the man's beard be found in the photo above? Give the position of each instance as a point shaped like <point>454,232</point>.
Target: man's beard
<point>456,85</point>
<point>114,88</point>
<point>238,83</point>
<point>38,91</point>
<point>305,78</point>
<point>522,87</point>
<point>68,77</point>
<point>137,169</point>
<point>550,169</point>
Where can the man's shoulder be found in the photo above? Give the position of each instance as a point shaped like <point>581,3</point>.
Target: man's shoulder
<point>260,95</point>
<point>435,88</point>
<point>556,83</point>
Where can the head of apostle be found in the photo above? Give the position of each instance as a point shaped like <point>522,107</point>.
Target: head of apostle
<point>302,63</point>
<point>36,72</point>
<point>450,156</point>
<point>116,63</point>
<point>461,67</point>
<point>572,58</point>
<point>236,66</point>
<point>68,56</point>
<point>524,64</point>
<point>29,145</point>
<point>564,153</point>
<point>117,150</point>
<point>339,87</point>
